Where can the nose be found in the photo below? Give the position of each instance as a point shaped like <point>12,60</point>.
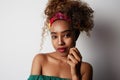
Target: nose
<point>60,41</point>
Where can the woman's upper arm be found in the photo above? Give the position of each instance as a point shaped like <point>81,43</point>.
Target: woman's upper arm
<point>37,64</point>
<point>88,72</point>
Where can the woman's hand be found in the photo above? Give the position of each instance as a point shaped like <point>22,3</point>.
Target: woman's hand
<point>74,60</point>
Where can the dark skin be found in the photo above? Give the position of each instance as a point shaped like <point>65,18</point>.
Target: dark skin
<point>66,61</point>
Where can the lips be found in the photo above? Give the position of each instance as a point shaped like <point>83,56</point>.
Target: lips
<point>61,49</point>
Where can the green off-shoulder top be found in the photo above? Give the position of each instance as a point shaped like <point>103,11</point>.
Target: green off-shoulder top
<point>44,77</point>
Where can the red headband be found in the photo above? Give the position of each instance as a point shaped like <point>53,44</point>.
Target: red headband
<point>59,16</point>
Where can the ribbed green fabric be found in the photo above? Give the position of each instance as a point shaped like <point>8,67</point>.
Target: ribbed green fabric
<point>44,77</point>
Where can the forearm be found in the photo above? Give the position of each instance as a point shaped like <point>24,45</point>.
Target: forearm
<point>76,77</point>
<point>75,74</point>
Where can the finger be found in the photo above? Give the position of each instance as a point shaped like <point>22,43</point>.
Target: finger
<point>76,54</point>
<point>72,58</point>
<point>69,62</point>
<point>77,51</point>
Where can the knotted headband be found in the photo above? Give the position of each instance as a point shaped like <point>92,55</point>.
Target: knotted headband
<point>59,16</point>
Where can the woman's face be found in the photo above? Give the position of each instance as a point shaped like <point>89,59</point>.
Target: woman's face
<point>62,37</point>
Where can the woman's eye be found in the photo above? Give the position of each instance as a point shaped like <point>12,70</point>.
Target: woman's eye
<point>67,35</point>
<point>54,37</point>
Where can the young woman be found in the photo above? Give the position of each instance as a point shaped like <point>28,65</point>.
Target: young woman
<point>65,20</point>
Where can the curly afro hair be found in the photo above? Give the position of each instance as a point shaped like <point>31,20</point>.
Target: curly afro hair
<point>79,12</point>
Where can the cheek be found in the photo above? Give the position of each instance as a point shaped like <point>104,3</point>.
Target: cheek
<point>54,43</point>
<point>69,42</point>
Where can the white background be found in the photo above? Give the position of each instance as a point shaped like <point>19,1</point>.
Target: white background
<point>21,24</point>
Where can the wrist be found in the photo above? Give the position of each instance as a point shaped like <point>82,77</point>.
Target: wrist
<point>75,77</point>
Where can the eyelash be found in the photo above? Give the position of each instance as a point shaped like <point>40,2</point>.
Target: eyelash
<point>66,36</point>
<point>54,37</point>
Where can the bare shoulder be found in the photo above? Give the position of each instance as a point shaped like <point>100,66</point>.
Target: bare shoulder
<point>37,63</point>
<point>39,58</point>
<point>87,71</point>
<point>86,66</point>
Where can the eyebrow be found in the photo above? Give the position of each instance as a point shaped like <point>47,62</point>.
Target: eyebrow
<point>61,32</point>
